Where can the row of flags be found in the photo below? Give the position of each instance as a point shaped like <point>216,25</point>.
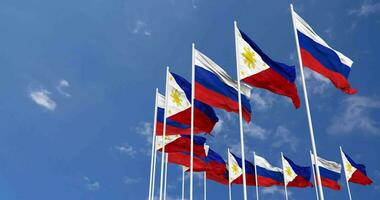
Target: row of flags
<point>184,114</point>
<point>290,175</point>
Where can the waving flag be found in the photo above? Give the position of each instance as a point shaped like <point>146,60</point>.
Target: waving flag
<point>172,127</point>
<point>181,143</point>
<point>213,86</point>
<point>267,175</point>
<point>317,55</point>
<point>179,106</point>
<point>216,163</point>
<point>219,178</point>
<point>330,173</point>
<point>236,171</point>
<point>257,69</point>
<point>355,173</point>
<point>294,175</point>
<point>200,163</point>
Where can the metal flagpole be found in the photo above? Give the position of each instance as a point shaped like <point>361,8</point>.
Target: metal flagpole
<point>163,135</point>
<point>192,121</point>
<point>314,148</point>
<point>256,181</point>
<point>204,185</point>
<point>153,148</point>
<point>229,178</point>
<point>183,183</point>
<point>344,167</point>
<point>283,172</point>
<point>154,169</point>
<point>315,180</point>
<point>166,174</point>
<point>240,114</point>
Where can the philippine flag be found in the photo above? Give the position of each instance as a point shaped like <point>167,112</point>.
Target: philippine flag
<point>355,173</point>
<point>257,69</point>
<point>172,127</point>
<point>330,172</point>
<point>200,163</point>
<point>235,170</point>
<point>267,175</point>
<point>179,106</point>
<point>213,86</point>
<point>294,175</point>
<point>317,55</point>
<point>181,143</point>
<point>219,178</point>
<point>216,163</point>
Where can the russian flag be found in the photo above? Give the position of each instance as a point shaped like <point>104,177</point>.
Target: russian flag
<point>257,69</point>
<point>317,55</point>
<point>294,175</point>
<point>213,86</point>
<point>235,170</point>
<point>267,175</point>
<point>182,143</point>
<point>179,107</point>
<point>330,173</point>
<point>355,173</point>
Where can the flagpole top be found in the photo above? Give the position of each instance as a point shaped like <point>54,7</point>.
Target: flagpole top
<point>193,44</point>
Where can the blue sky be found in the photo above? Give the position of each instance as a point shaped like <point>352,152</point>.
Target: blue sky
<point>77,88</point>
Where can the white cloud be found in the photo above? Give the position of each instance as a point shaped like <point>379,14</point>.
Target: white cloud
<point>141,27</point>
<point>365,9</point>
<point>41,97</point>
<point>91,185</point>
<point>60,87</point>
<point>315,82</point>
<point>146,130</point>
<point>129,180</point>
<point>256,131</point>
<point>126,149</point>
<point>282,137</point>
<point>356,115</point>
<point>218,126</point>
<point>262,100</point>
<point>274,190</point>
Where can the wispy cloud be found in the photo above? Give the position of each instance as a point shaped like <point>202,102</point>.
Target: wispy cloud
<point>356,115</point>
<point>140,27</point>
<point>91,185</point>
<point>365,9</point>
<point>316,83</point>
<point>262,100</point>
<point>61,86</point>
<point>256,131</point>
<point>282,137</point>
<point>145,129</point>
<point>218,126</point>
<point>274,190</point>
<point>42,98</point>
<point>130,180</point>
<point>126,149</point>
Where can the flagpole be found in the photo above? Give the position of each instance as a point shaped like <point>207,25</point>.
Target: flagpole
<point>183,183</point>
<point>154,169</point>
<point>229,178</point>
<point>315,180</point>
<point>153,148</point>
<point>163,135</point>
<point>166,174</point>
<point>256,181</point>
<point>314,148</point>
<point>204,186</point>
<point>240,114</point>
<point>344,167</point>
<point>192,121</point>
<point>283,173</point>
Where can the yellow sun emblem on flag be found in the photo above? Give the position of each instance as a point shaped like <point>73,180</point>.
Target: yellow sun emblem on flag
<point>235,169</point>
<point>176,97</point>
<point>249,58</point>
<point>349,167</point>
<point>288,171</point>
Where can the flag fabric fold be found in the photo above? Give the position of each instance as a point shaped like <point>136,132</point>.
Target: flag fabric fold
<point>267,175</point>
<point>259,70</point>
<point>317,55</point>
<point>179,107</point>
<point>294,175</point>
<point>355,173</point>
<point>182,143</point>
<point>330,173</point>
<point>236,171</point>
<point>213,86</point>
